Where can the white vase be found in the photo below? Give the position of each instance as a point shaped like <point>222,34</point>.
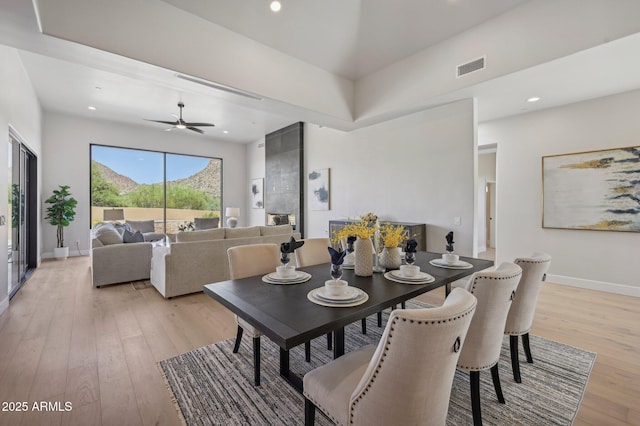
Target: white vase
<point>364,257</point>
<point>61,253</point>
<point>390,258</point>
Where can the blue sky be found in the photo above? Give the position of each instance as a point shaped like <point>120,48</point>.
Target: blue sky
<point>146,166</point>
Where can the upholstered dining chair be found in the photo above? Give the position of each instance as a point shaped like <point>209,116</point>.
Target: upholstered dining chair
<point>406,379</point>
<point>247,261</point>
<point>521,313</point>
<point>495,290</point>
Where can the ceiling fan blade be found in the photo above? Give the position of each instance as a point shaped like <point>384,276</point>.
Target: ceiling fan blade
<point>173,123</point>
<point>195,130</point>
<point>200,124</point>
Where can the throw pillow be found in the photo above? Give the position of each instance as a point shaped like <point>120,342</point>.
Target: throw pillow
<point>108,235</point>
<point>132,237</point>
<point>253,231</point>
<point>121,227</point>
<point>142,225</point>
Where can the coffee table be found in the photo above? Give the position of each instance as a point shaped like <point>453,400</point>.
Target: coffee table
<point>285,315</point>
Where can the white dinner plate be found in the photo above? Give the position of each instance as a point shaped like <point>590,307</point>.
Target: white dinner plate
<point>460,264</point>
<point>420,276</point>
<point>300,277</point>
<point>391,277</point>
<point>362,298</point>
<point>349,293</point>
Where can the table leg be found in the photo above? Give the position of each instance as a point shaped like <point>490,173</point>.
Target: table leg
<point>447,289</point>
<point>286,373</point>
<point>338,342</point>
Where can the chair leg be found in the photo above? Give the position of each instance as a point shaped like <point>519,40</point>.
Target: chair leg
<point>256,361</point>
<point>364,326</point>
<point>307,351</point>
<point>380,319</point>
<point>403,305</point>
<point>329,342</point>
<point>527,348</point>
<point>309,413</point>
<point>496,383</point>
<point>236,347</point>
<point>515,362</point>
<point>474,380</point>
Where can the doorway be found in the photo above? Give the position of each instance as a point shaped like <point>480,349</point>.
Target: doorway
<point>22,253</point>
<point>491,215</point>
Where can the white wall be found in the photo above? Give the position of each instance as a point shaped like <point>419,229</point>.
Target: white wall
<point>66,152</point>
<point>19,108</point>
<point>255,170</point>
<point>593,259</point>
<point>417,168</point>
<point>486,174</point>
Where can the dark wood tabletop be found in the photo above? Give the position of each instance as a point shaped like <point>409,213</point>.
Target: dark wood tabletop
<point>288,318</point>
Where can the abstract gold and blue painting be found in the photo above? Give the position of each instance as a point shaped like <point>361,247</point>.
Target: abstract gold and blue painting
<point>597,190</point>
<point>318,187</point>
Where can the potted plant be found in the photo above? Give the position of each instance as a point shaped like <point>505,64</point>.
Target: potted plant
<point>61,213</point>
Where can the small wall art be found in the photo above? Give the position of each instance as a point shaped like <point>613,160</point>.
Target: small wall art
<point>319,190</point>
<point>257,193</point>
<point>596,190</point>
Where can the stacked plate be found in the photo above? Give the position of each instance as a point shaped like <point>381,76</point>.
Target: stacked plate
<point>297,278</point>
<point>420,278</point>
<point>351,296</point>
<point>460,264</point>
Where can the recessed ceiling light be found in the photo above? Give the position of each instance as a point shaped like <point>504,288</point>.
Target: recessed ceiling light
<point>92,108</point>
<point>534,99</point>
<point>225,131</point>
<point>276,6</point>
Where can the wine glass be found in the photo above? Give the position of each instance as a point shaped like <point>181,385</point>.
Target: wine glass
<point>336,272</point>
<point>284,258</point>
<point>410,257</point>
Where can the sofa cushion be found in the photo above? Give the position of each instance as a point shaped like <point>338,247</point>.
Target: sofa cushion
<point>132,237</point>
<point>207,222</point>
<point>276,230</point>
<point>207,234</point>
<point>107,234</point>
<point>121,227</point>
<point>142,225</point>
<point>152,236</point>
<point>252,231</point>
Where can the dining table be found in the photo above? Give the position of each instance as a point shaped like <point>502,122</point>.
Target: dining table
<point>286,314</point>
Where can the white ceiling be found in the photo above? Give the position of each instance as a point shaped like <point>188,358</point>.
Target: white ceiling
<point>347,37</point>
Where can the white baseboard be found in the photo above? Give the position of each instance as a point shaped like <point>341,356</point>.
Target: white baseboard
<point>625,290</point>
<point>482,249</point>
<point>49,254</point>
<point>4,305</point>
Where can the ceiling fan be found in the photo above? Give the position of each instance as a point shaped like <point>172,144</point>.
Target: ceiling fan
<point>181,124</point>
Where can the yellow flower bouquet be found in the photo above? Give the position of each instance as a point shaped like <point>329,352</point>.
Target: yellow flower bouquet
<point>393,235</point>
<point>363,228</point>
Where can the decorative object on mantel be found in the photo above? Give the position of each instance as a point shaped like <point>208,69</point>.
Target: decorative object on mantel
<point>597,190</point>
<point>410,251</point>
<point>449,257</point>
<point>392,236</point>
<point>60,214</point>
<point>363,230</point>
<point>232,214</point>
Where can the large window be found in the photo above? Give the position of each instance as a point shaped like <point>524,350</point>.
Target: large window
<point>171,189</point>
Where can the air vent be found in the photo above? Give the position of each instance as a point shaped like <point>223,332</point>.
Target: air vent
<point>469,67</point>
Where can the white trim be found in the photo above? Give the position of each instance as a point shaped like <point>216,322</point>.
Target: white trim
<point>625,290</point>
<point>49,254</point>
<point>4,305</point>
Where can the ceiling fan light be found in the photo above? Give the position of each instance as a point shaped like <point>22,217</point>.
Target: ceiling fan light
<point>181,126</point>
<point>276,6</point>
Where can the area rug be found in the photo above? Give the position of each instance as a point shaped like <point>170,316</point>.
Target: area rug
<point>213,386</point>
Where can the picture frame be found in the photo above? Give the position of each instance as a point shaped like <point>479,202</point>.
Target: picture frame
<point>319,189</point>
<point>592,190</point>
<point>257,193</point>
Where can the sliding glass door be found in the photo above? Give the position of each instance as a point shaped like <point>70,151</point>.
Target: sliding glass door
<point>22,195</point>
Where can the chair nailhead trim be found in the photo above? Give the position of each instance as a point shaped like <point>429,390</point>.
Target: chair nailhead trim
<point>384,354</point>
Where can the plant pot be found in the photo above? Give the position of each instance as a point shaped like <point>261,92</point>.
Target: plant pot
<point>364,257</point>
<point>61,253</point>
<point>390,258</point>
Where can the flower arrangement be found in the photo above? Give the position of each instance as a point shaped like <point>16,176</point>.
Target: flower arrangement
<point>364,228</point>
<point>393,235</point>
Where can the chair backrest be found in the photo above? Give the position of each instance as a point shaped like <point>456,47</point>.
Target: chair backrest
<point>207,222</point>
<point>523,308</point>
<point>409,377</point>
<point>252,259</point>
<point>494,290</point>
<point>313,252</point>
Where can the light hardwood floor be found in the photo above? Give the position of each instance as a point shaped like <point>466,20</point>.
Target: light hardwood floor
<point>63,340</point>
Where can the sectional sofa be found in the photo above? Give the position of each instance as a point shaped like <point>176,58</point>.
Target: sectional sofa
<point>197,258</point>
